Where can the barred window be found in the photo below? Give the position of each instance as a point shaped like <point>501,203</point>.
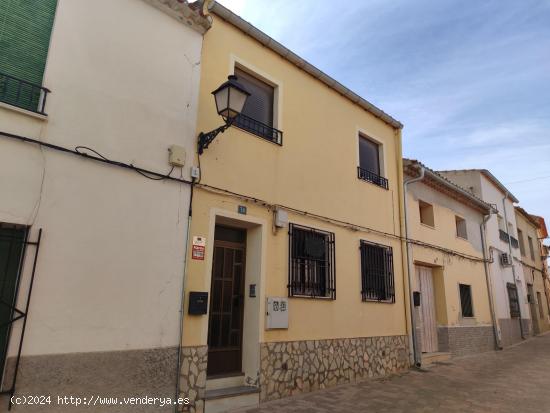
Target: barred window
<point>377,280</point>
<point>513,299</point>
<point>311,263</point>
<point>466,300</point>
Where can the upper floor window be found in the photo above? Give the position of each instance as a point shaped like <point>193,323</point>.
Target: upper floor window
<point>377,280</point>
<point>521,242</point>
<point>370,165</point>
<point>426,213</point>
<point>461,228</point>
<point>513,300</point>
<point>466,300</point>
<point>531,248</point>
<point>257,116</point>
<point>311,266</point>
<point>25,28</point>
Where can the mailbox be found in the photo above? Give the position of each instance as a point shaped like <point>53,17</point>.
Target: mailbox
<point>198,303</point>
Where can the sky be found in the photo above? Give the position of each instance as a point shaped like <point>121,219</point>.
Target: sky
<point>470,80</point>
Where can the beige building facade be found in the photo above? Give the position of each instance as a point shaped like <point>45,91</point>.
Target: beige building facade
<point>508,284</point>
<point>453,311</point>
<point>296,232</point>
<point>533,269</point>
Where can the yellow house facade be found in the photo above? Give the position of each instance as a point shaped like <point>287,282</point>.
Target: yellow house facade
<point>295,238</point>
<point>452,308</point>
<point>533,269</point>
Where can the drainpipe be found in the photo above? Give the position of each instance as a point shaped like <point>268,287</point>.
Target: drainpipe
<point>482,229</point>
<point>513,266</point>
<point>416,355</point>
<point>182,296</point>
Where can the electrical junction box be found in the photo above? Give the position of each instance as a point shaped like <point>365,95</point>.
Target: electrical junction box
<point>177,155</point>
<point>195,172</point>
<point>277,312</point>
<point>281,218</point>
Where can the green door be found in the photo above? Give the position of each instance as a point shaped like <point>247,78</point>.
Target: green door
<point>12,242</point>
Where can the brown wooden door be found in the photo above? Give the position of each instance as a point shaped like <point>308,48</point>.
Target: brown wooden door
<point>225,327</point>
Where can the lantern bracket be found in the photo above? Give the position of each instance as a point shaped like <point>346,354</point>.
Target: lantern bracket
<point>206,138</point>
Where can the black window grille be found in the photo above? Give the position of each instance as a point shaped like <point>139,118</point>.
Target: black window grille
<point>514,242</point>
<point>23,94</point>
<point>371,177</point>
<point>258,128</point>
<point>377,279</point>
<point>513,299</point>
<point>503,235</point>
<point>311,263</point>
<point>466,300</point>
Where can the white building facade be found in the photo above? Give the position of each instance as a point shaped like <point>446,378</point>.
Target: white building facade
<point>101,244</point>
<point>508,286</point>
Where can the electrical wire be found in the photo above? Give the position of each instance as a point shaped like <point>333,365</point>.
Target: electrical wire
<point>270,206</point>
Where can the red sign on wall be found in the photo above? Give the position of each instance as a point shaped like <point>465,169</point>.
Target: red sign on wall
<point>199,248</point>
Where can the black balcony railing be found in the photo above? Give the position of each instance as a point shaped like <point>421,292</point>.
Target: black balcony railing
<point>503,235</point>
<point>259,129</point>
<point>23,94</point>
<point>514,242</point>
<point>371,177</point>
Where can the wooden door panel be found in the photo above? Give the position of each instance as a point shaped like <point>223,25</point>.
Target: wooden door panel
<point>427,310</point>
<point>226,309</point>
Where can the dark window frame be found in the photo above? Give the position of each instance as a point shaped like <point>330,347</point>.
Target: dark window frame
<point>377,272</point>
<point>513,300</point>
<point>304,269</point>
<point>466,300</point>
<point>373,175</point>
<point>246,121</point>
<point>461,223</point>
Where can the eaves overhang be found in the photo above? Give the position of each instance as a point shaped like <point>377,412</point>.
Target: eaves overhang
<point>292,57</point>
<point>438,182</point>
<point>194,15</point>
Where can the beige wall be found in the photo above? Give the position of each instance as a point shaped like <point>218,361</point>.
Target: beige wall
<point>314,170</point>
<point>533,272</point>
<point>449,271</point>
<point>124,81</point>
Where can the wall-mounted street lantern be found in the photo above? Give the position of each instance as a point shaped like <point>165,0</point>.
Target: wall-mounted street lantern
<point>230,98</point>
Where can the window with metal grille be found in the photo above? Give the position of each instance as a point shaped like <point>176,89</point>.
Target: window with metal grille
<point>257,116</point>
<point>377,280</point>
<point>466,300</point>
<point>312,263</point>
<point>513,299</point>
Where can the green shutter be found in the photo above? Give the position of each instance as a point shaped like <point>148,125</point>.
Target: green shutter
<point>25,29</point>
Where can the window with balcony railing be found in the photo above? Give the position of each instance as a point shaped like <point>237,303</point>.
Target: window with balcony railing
<point>370,168</point>
<point>258,114</point>
<point>25,28</point>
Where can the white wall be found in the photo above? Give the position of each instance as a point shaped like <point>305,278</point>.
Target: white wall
<point>503,275</point>
<point>124,79</point>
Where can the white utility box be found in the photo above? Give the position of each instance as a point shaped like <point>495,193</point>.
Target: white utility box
<point>177,156</point>
<point>277,312</point>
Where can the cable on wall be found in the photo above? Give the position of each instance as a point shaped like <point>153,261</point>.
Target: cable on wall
<point>78,151</point>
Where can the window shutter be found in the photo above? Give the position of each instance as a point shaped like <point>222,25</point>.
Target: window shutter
<point>259,105</point>
<point>25,29</point>
<point>369,157</point>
